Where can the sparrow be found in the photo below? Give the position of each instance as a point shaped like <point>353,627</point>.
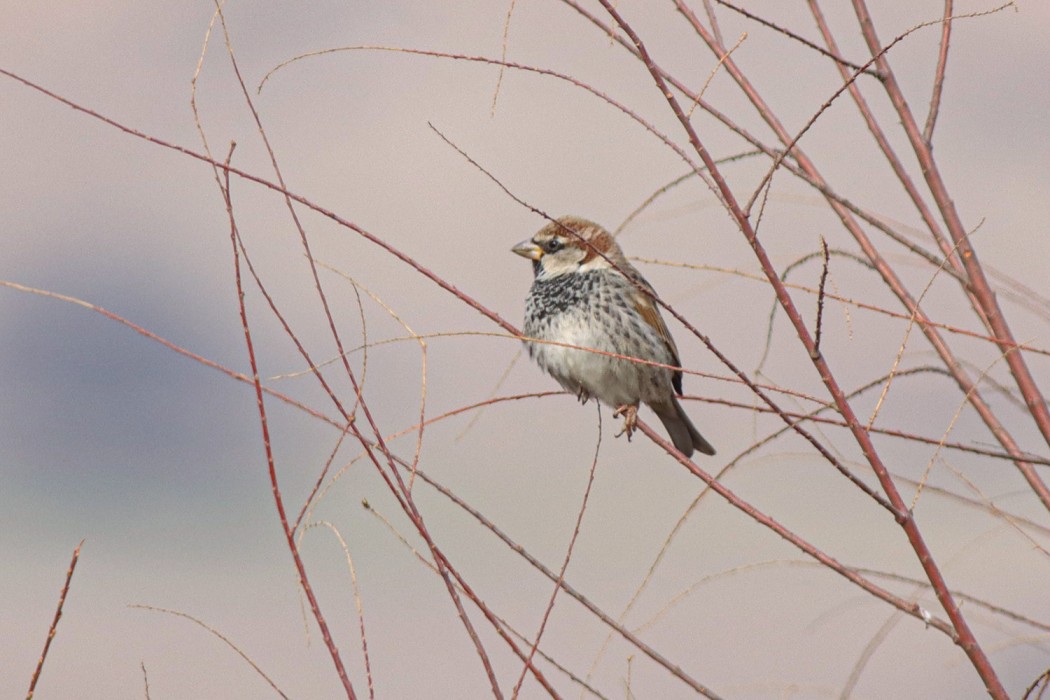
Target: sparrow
<point>585,294</point>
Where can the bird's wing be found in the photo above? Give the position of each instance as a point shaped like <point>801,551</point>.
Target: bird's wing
<point>650,313</point>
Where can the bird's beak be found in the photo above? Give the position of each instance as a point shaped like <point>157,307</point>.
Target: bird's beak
<point>528,249</point>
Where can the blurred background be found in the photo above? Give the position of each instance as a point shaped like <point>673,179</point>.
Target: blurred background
<point>157,461</point>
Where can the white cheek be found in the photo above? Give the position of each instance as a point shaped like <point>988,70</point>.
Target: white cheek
<point>595,263</point>
<point>553,267</point>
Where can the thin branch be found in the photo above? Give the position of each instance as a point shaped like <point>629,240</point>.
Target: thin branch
<point>833,55</point>
<point>219,635</point>
<point>961,631</point>
<point>631,638</point>
<point>324,472</point>
<point>1041,684</point>
<point>938,78</point>
<point>847,84</point>
<point>769,522</point>
<point>979,285</point>
<point>239,376</point>
<point>303,238</point>
<point>955,330</point>
<point>358,604</point>
<point>568,554</point>
<point>419,557</point>
<point>894,161</point>
<point>671,185</point>
<point>891,432</point>
<point>289,533</point>
<point>506,64</point>
<point>903,346</point>
<point>868,651</point>
<point>712,19</point>
<point>788,269</point>
<point>503,55</point>
<point>470,301</point>
<point>54,622</point>
<point>820,295</point>
<point>145,679</point>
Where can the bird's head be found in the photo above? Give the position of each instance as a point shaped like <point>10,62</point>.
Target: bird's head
<point>570,244</point>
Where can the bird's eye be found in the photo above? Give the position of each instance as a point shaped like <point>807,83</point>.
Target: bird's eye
<point>553,245</point>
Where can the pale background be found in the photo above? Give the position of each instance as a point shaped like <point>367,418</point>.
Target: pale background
<point>157,460</point>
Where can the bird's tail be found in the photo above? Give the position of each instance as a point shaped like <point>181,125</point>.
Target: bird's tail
<point>683,433</point>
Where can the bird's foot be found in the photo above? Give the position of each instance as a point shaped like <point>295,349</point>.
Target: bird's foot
<point>583,395</point>
<point>630,419</point>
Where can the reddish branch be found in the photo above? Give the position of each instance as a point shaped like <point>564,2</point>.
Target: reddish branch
<point>400,491</point>
<point>568,556</point>
<point>938,78</point>
<point>962,632</point>
<point>54,622</point>
<point>966,384</point>
<point>441,561</point>
<point>289,532</point>
<point>978,283</point>
<point>883,143</point>
<point>833,53</point>
<point>631,637</point>
<point>445,569</point>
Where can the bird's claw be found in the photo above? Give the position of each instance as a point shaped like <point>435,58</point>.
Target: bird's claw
<point>583,395</point>
<point>630,419</point>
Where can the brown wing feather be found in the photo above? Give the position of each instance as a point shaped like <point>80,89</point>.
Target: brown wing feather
<point>650,313</point>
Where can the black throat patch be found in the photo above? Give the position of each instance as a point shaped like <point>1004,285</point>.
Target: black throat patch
<point>557,294</point>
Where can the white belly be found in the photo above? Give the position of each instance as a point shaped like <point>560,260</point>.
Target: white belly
<point>614,382</point>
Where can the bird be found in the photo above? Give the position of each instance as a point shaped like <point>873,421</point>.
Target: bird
<point>585,294</point>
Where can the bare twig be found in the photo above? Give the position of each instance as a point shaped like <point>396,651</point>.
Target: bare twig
<point>955,330</point>
<point>712,73</point>
<point>586,687</point>
<point>682,153</point>
<point>712,19</point>
<point>304,239</point>
<point>961,632</point>
<point>145,679</point>
<point>788,269</point>
<point>503,54</point>
<point>320,478</point>
<point>289,533</point>
<point>670,186</point>
<point>568,555</point>
<point>981,290</point>
<point>54,622</point>
<point>820,295</point>
<point>594,609</point>
<point>239,376</point>
<point>938,78</point>
<point>219,635</point>
<point>833,55</point>
<point>847,84</point>
<point>828,561</point>
<point>358,604</point>
<point>1040,684</point>
<point>931,223</point>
